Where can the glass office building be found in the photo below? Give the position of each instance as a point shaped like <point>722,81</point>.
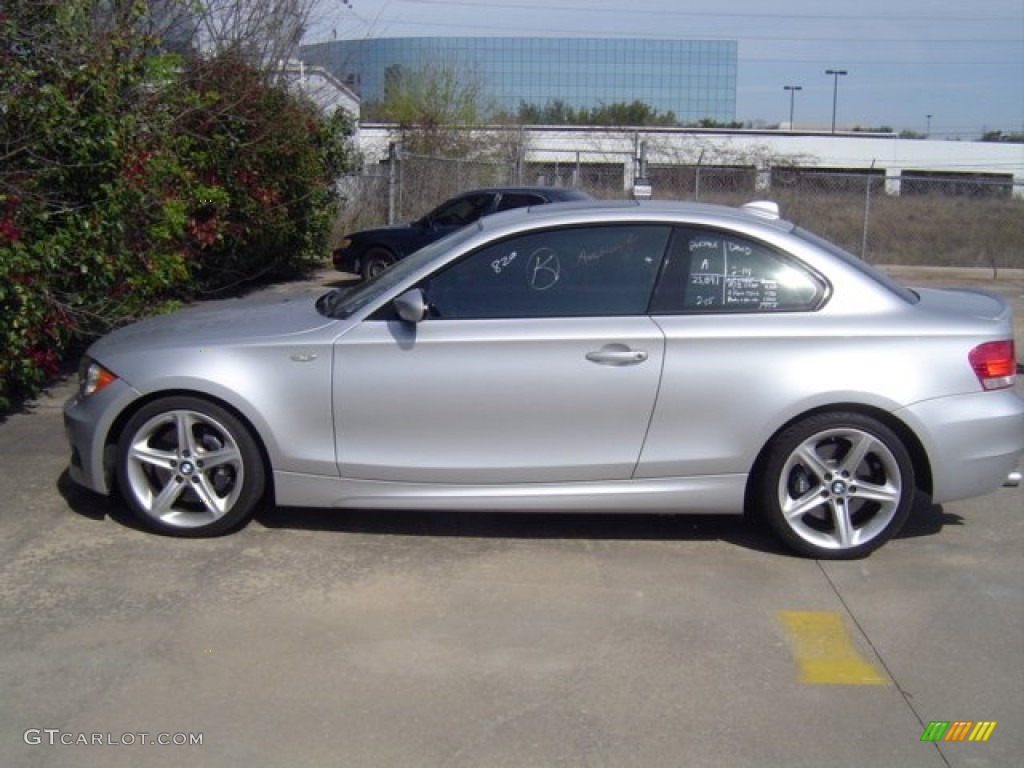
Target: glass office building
<point>693,79</point>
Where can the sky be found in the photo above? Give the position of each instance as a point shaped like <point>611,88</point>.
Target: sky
<point>959,62</point>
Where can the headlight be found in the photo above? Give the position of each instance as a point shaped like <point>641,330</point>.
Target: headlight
<point>93,377</point>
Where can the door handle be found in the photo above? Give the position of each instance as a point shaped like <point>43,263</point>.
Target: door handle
<point>617,354</point>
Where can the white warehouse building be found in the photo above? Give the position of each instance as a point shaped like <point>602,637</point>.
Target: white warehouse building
<point>896,158</point>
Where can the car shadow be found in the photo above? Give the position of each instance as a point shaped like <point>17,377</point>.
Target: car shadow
<point>927,519</point>
<point>344,280</point>
<point>733,529</point>
<point>95,506</point>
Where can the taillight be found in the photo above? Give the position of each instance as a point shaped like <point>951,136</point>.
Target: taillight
<point>995,364</point>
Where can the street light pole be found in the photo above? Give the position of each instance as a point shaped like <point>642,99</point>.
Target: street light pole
<point>835,91</point>
<point>792,95</point>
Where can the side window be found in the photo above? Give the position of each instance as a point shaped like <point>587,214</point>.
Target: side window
<point>709,271</point>
<point>571,272</point>
<point>462,211</point>
<point>510,200</point>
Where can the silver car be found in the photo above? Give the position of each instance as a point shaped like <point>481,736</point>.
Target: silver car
<point>627,357</point>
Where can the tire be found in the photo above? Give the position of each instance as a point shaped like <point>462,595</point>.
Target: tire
<point>836,486</point>
<point>375,261</point>
<point>187,467</point>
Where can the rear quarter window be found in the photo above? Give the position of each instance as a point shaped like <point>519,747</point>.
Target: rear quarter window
<point>709,271</point>
<point>511,200</point>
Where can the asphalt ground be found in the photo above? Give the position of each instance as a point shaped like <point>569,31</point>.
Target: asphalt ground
<point>325,638</point>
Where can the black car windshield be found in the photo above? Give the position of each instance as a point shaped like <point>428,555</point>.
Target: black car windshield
<point>340,303</point>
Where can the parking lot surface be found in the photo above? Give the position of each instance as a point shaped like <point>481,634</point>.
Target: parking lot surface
<point>328,638</point>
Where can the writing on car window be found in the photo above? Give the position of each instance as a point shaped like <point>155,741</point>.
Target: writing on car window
<point>716,272</point>
<point>583,271</point>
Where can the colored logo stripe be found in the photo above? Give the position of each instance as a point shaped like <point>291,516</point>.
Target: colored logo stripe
<point>958,730</point>
<point>983,730</point>
<point>935,731</point>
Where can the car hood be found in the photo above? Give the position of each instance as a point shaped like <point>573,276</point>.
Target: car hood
<point>214,326</point>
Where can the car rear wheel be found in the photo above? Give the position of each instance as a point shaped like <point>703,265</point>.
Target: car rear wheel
<point>837,485</point>
<point>375,261</point>
<point>189,468</point>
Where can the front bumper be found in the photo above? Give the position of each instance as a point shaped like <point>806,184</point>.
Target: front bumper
<point>88,422</point>
<point>347,260</point>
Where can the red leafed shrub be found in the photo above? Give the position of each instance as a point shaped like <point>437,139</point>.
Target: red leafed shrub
<point>134,179</point>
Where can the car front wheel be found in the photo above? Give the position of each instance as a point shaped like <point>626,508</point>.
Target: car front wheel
<point>376,261</point>
<point>837,485</point>
<point>188,467</point>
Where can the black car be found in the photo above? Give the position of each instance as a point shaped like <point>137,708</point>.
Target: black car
<point>373,250</point>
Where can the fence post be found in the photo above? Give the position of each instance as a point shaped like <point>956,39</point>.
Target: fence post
<point>516,167</point>
<point>520,155</point>
<point>394,186</point>
<point>762,175</point>
<point>696,178</point>
<point>867,216</point>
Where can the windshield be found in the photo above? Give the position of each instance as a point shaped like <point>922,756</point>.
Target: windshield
<point>860,265</point>
<point>341,303</point>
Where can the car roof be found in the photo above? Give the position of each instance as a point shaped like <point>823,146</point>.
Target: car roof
<point>755,213</point>
<point>564,193</point>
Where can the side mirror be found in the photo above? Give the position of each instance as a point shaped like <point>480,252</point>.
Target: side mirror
<point>411,306</point>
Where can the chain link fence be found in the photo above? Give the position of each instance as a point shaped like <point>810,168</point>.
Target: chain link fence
<point>916,219</point>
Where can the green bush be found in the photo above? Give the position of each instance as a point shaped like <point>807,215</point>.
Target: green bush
<point>132,179</point>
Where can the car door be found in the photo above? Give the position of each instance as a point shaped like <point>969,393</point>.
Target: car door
<point>538,364</point>
<point>732,309</point>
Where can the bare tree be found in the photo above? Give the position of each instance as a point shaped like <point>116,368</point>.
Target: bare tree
<point>265,33</point>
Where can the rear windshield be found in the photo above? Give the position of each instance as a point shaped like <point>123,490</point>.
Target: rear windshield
<point>859,264</point>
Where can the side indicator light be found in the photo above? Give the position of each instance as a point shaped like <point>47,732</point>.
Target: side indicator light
<point>95,378</point>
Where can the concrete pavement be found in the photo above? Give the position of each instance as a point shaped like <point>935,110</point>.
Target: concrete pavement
<point>375,639</point>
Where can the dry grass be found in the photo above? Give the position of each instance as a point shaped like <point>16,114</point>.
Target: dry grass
<point>913,230</point>
<point>922,231</point>
<point>910,230</point>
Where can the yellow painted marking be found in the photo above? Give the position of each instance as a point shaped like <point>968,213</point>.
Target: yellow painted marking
<point>824,651</point>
